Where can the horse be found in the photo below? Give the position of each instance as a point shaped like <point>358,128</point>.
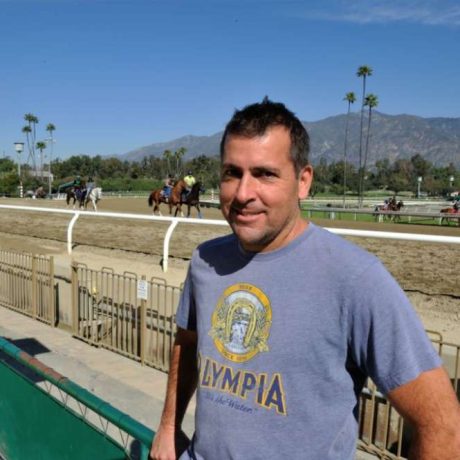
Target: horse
<point>392,206</point>
<point>94,196</point>
<point>74,194</point>
<point>177,199</point>
<point>450,217</point>
<point>80,195</point>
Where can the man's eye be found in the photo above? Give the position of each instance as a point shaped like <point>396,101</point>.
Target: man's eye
<point>230,172</point>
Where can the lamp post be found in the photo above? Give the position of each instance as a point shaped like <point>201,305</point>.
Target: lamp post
<point>50,140</point>
<point>451,181</point>
<point>419,182</point>
<point>19,147</point>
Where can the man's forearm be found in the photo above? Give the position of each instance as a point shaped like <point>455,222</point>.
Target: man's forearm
<point>181,381</point>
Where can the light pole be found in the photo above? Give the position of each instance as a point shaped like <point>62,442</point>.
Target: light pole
<point>19,147</point>
<point>51,141</point>
<point>419,182</point>
<point>451,181</point>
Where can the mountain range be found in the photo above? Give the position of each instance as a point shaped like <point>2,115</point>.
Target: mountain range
<point>391,136</point>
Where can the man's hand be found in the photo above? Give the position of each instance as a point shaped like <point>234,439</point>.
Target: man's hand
<point>168,444</point>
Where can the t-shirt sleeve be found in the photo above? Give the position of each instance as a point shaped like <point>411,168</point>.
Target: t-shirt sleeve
<point>386,338</point>
<point>186,315</point>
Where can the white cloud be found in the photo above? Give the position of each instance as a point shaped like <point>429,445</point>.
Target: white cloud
<point>428,12</point>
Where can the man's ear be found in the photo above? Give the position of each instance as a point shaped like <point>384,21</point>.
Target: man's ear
<point>305,181</point>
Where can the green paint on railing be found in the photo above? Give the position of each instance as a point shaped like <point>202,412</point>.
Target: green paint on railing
<point>35,425</point>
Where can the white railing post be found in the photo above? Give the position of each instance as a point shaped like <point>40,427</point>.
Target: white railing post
<point>168,235</point>
<point>69,231</point>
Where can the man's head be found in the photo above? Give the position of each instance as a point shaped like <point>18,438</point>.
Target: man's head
<point>264,174</point>
<point>254,121</point>
<point>189,173</point>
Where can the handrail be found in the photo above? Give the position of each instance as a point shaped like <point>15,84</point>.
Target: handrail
<point>188,220</point>
<point>101,407</point>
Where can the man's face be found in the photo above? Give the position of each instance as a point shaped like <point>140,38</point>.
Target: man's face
<point>259,190</point>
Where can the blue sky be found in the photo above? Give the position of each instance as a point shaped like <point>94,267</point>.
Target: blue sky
<point>117,75</point>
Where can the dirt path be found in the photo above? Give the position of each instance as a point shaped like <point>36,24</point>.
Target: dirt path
<point>428,272</point>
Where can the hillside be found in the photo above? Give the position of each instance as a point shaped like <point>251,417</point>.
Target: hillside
<point>392,136</point>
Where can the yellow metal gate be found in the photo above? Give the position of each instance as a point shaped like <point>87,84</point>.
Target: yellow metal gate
<point>27,285</point>
<point>125,313</point>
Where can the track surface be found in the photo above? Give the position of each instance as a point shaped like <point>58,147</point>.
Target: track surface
<point>429,273</point>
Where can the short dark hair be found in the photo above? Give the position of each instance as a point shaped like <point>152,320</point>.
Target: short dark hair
<point>254,120</point>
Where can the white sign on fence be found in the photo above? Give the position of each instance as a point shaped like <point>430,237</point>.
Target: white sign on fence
<point>142,289</point>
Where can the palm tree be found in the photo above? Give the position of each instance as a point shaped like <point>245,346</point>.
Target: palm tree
<point>370,101</point>
<point>27,130</point>
<point>364,71</point>
<point>41,146</point>
<point>167,155</point>
<point>351,99</point>
<point>32,121</point>
<point>50,128</point>
<point>178,154</point>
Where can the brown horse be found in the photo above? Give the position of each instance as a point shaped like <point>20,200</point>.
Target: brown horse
<point>392,206</point>
<point>452,214</point>
<point>177,199</point>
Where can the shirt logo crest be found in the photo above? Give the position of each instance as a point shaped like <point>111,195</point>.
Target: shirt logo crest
<point>241,322</point>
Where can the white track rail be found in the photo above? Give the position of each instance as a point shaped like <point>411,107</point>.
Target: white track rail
<point>174,221</point>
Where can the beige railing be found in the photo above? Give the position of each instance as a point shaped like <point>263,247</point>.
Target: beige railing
<point>27,284</point>
<point>133,316</point>
<point>124,313</point>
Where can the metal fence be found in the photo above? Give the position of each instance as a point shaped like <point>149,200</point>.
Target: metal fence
<point>27,285</point>
<point>124,313</point>
<point>134,316</point>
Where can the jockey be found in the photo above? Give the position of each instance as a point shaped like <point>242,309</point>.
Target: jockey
<point>385,205</point>
<point>78,187</point>
<point>190,181</point>
<point>167,187</point>
<point>90,184</point>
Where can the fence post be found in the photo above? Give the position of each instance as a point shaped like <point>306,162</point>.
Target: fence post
<point>34,286</point>
<point>74,290</point>
<point>142,325</point>
<point>52,296</point>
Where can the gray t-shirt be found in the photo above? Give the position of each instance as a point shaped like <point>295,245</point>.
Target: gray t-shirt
<point>286,340</point>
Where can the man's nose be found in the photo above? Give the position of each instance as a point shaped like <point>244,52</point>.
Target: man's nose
<point>246,190</point>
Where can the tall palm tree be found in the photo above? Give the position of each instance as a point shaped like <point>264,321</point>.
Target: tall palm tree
<point>351,99</point>
<point>27,130</point>
<point>370,101</point>
<point>50,128</point>
<point>167,155</point>
<point>364,71</point>
<point>178,154</point>
<point>41,146</point>
<point>32,121</point>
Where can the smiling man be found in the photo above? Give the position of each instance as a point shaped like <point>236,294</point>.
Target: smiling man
<point>320,315</point>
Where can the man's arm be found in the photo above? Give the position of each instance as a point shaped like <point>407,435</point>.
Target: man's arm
<point>170,441</point>
<point>430,405</point>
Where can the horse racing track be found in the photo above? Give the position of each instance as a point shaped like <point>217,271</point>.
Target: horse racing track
<point>428,272</point>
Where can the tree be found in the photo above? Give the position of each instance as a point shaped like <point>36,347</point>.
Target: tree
<point>351,99</point>
<point>370,101</point>
<point>41,146</point>
<point>167,156</point>
<point>364,71</point>
<point>32,121</point>
<point>178,154</point>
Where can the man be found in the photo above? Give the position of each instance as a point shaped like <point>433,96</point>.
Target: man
<point>90,184</point>
<point>190,181</point>
<point>167,187</point>
<point>312,314</point>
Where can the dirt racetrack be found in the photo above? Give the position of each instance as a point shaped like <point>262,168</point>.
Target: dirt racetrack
<point>428,272</point>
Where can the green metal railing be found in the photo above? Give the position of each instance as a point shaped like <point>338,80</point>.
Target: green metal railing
<point>58,419</point>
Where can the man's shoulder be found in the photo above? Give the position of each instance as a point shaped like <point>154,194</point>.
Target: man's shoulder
<point>216,248</point>
<point>340,253</point>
